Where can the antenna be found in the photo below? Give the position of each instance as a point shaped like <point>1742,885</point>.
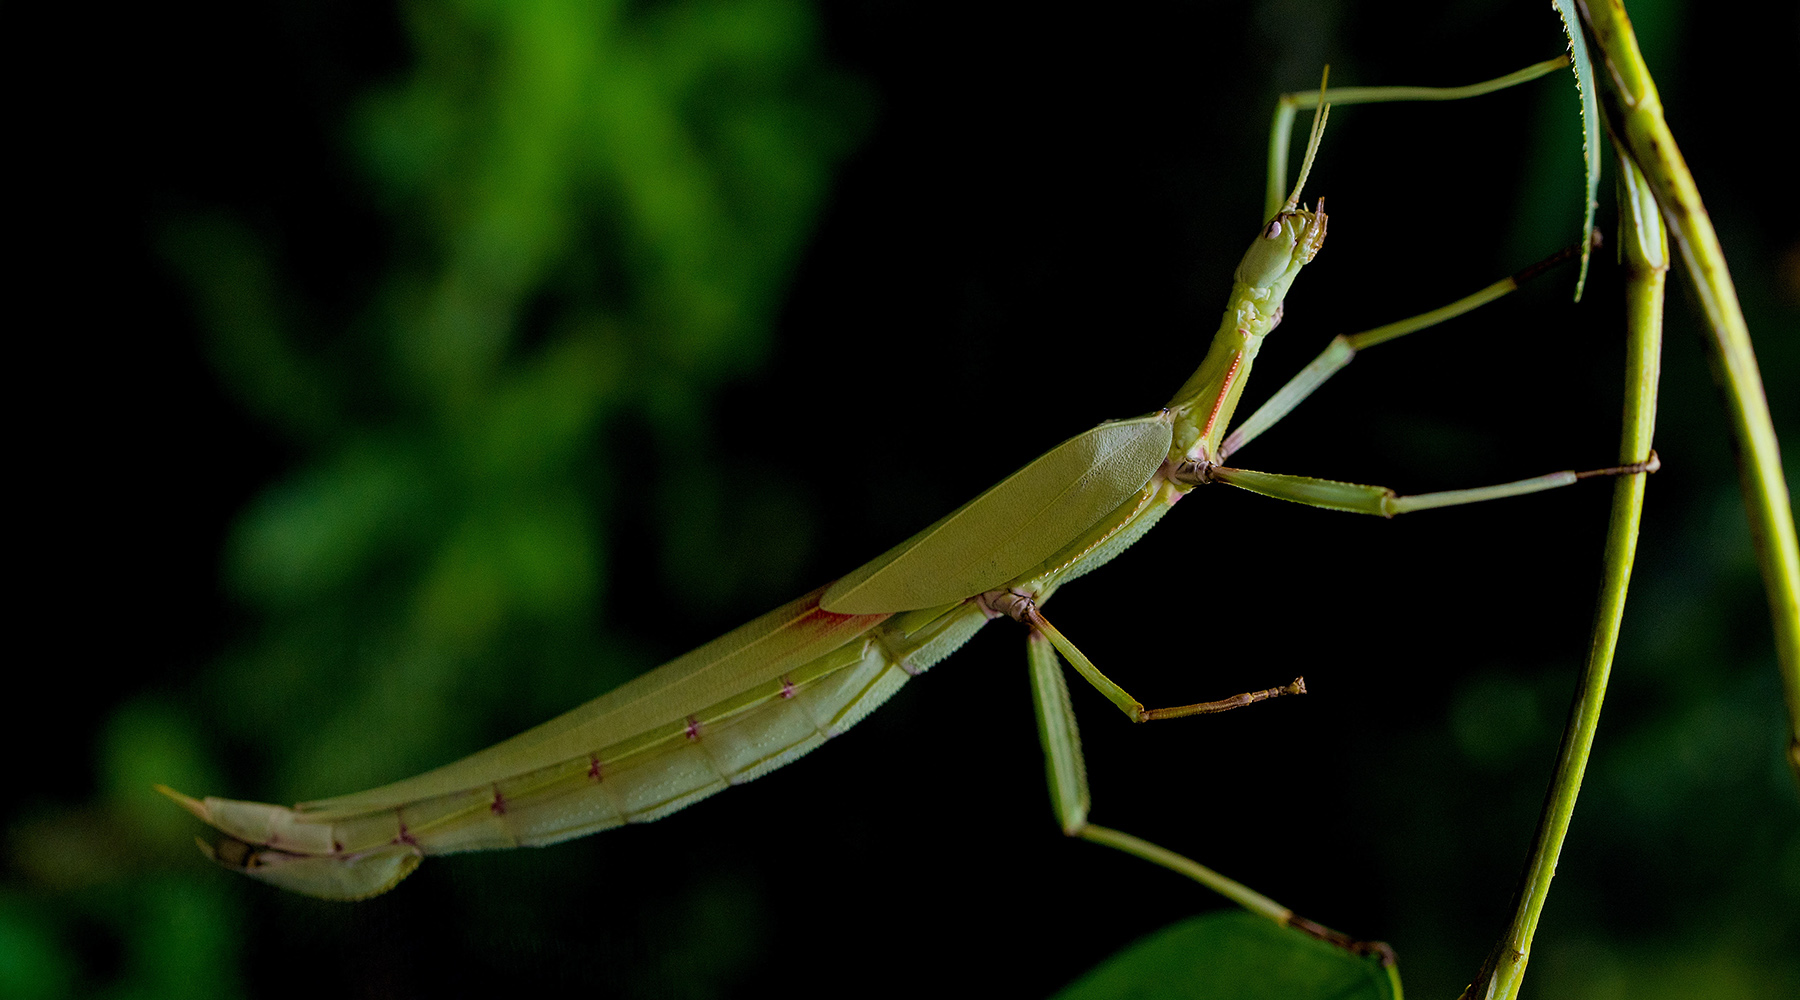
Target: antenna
<point>1312,142</point>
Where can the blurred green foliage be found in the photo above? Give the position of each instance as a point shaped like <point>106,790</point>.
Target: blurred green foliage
<point>594,210</point>
<point>492,291</point>
<point>595,213</point>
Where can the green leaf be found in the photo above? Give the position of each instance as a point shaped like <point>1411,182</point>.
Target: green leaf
<point>1236,955</point>
<point>1590,124</point>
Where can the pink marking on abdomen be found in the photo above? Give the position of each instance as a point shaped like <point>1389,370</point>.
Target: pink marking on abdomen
<point>498,806</point>
<point>693,728</point>
<point>787,687</point>
<point>404,837</point>
<point>594,766</point>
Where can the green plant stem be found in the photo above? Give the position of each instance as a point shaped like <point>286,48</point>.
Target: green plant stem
<point>1646,267</point>
<point>1635,115</point>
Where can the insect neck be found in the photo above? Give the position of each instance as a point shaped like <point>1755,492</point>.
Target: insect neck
<point>1204,405</point>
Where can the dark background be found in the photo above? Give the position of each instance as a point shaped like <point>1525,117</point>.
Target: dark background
<point>1019,223</point>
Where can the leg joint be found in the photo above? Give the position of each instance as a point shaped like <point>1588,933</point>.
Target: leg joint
<point>1009,603</point>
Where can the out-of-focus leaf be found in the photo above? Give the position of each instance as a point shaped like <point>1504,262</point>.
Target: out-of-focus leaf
<point>32,962</point>
<point>244,305</point>
<point>1235,955</point>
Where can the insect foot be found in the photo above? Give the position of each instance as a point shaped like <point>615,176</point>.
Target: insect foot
<point>1648,465</point>
<point>1381,949</point>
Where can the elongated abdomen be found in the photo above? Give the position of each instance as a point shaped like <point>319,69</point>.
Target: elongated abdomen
<point>741,706</point>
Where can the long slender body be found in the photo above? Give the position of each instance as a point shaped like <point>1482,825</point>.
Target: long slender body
<point>767,693</point>
<point>772,690</point>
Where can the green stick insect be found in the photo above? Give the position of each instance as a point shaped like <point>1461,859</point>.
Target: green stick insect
<point>774,689</point>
